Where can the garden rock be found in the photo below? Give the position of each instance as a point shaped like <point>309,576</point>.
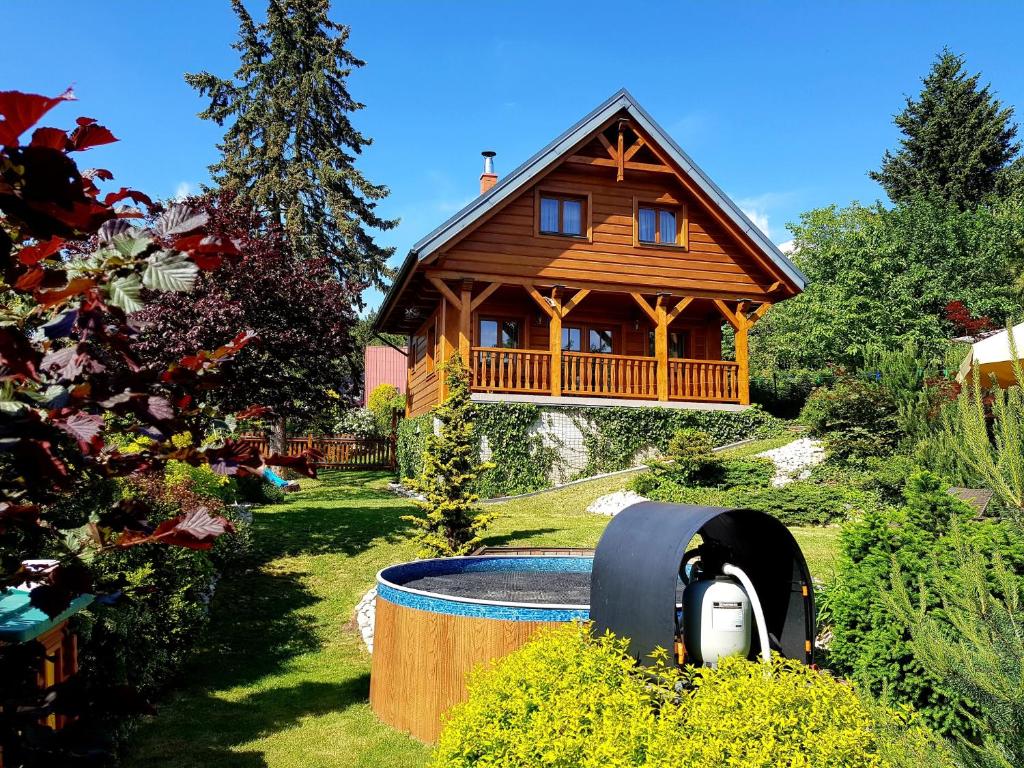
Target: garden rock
<point>794,460</point>
<point>613,503</point>
<point>366,612</point>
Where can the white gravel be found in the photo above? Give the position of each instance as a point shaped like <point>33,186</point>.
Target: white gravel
<point>365,614</point>
<point>613,503</point>
<point>793,461</point>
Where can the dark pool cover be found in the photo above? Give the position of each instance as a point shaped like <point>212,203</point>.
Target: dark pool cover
<point>552,587</point>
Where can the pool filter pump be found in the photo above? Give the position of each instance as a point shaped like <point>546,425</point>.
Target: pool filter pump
<point>718,613</point>
<point>745,590</point>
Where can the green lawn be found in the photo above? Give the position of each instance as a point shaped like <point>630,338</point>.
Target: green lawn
<point>283,677</point>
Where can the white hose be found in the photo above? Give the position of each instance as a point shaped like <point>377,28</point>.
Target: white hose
<point>755,604</point>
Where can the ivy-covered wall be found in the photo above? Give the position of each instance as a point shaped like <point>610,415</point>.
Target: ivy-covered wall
<point>618,438</point>
<point>533,447</point>
<point>409,447</point>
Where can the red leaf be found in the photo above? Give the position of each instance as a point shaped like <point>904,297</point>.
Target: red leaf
<point>302,464</point>
<point>12,515</point>
<point>85,428</point>
<point>89,134</point>
<point>124,194</point>
<point>20,111</point>
<point>76,287</point>
<point>17,357</point>
<point>54,138</point>
<point>30,279</point>
<point>252,412</point>
<point>33,254</point>
<point>196,530</point>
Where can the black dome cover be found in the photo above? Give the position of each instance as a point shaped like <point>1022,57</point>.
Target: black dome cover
<point>636,565</point>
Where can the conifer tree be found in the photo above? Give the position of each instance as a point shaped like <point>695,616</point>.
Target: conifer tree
<point>290,145</point>
<point>451,521</point>
<point>958,139</point>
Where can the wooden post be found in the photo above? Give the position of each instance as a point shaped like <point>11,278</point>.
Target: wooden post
<point>442,351</point>
<point>661,347</point>
<point>465,315</point>
<point>743,357</point>
<point>555,342</point>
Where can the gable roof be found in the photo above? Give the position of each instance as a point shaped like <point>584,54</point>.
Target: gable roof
<point>522,176</point>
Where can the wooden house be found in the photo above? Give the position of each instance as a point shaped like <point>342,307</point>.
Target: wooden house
<point>599,271</point>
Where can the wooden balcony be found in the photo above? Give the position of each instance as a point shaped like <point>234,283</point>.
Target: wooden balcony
<point>528,371</point>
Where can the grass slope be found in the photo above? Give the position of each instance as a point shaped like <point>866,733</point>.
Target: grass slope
<point>283,678</point>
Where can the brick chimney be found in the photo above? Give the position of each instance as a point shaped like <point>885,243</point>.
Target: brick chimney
<point>488,178</point>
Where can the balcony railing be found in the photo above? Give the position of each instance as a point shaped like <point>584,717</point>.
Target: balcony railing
<point>510,370</point>
<point>595,375</point>
<point>528,371</point>
<point>711,380</point>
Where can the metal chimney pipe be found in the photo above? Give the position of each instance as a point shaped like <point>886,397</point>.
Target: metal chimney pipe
<point>488,178</point>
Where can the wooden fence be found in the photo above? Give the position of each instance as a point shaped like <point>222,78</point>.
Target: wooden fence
<point>338,451</point>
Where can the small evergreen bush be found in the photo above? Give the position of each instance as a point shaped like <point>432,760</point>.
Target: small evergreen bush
<point>451,521</point>
<point>871,639</point>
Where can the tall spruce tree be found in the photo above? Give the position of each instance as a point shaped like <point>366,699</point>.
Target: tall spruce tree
<point>290,145</point>
<point>958,139</point>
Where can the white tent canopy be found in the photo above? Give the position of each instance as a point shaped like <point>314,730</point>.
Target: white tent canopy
<point>993,357</point>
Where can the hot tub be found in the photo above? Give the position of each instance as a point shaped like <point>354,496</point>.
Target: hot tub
<point>437,619</point>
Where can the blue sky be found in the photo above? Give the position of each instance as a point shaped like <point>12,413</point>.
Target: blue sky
<point>786,105</point>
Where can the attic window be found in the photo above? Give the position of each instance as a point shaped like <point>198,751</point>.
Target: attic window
<point>659,224</point>
<point>562,215</point>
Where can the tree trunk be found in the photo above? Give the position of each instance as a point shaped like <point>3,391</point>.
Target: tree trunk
<point>278,435</point>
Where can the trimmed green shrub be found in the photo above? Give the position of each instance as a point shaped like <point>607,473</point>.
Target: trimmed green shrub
<point>689,443</point>
<point>202,481</point>
<point>743,714</point>
<point>747,472</point>
<point>798,503</point>
<point>256,490</point>
<point>564,700</point>
<point>568,700</point>
<point>383,402</point>
<point>856,418</point>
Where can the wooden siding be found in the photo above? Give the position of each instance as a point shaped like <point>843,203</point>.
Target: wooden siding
<point>421,659</point>
<point>507,243</point>
<point>422,390</point>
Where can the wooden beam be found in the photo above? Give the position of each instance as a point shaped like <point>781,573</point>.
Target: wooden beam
<point>661,346</point>
<point>555,342</point>
<point>759,312</point>
<point>637,146</point>
<point>642,302</point>
<point>541,301</point>
<point>734,321</point>
<point>465,313</point>
<point>607,145</point>
<point>482,296</point>
<point>678,308</point>
<point>580,295</point>
<point>570,282</point>
<point>628,165</point>
<point>447,292</point>
<point>620,155</point>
